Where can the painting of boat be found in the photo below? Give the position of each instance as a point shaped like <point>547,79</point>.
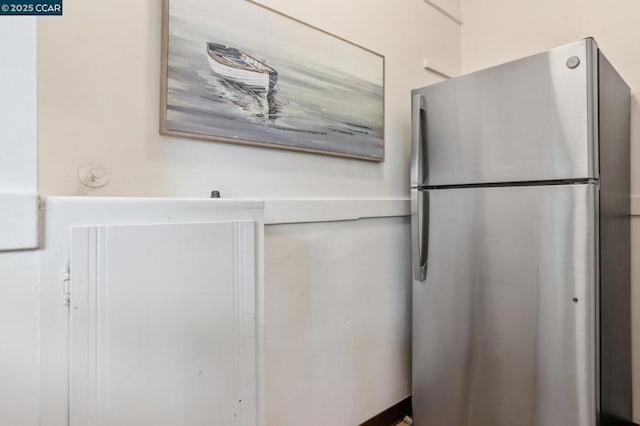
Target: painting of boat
<point>239,67</point>
<point>238,72</point>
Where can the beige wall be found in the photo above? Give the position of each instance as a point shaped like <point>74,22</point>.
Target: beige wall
<point>99,79</point>
<point>496,31</point>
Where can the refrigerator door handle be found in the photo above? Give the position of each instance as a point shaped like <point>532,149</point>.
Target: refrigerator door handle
<point>420,232</point>
<point>418,140</point>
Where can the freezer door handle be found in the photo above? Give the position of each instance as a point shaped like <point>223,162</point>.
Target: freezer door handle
<point>418,141</point>
<point>420,232</point>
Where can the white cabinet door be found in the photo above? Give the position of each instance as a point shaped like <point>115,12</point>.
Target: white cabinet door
<point>162,325</point>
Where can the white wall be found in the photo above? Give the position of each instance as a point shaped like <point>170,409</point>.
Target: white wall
<point>18,134</point>
<point>496,31</point>
<point>337,309</point>
<point>18,129</point>
<point>98,93</point>
<point>19,361</point>
<point>19,346</point>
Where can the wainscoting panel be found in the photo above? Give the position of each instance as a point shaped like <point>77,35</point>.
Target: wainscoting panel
<point>163,325</point>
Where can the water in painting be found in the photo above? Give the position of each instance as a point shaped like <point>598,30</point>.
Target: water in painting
<point>239,71</point>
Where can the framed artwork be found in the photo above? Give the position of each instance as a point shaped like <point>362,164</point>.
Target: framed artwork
<point>236,71</point>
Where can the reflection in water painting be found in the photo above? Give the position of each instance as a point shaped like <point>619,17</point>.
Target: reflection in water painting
<point>235,71</point>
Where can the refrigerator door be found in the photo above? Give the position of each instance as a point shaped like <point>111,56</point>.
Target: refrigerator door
<point>504,324</point>
<point>529,120</point>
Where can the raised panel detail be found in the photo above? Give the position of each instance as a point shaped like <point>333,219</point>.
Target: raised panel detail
<point>162,324</point>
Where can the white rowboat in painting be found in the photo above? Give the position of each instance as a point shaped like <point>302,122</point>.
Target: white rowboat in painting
<point>238,67</point>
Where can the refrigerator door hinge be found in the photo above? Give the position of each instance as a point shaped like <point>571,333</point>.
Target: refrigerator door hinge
<point>67,287</point>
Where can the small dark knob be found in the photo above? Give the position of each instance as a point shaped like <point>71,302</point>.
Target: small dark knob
<point>215,194</point>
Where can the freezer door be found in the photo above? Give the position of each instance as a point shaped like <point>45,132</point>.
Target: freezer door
<point>504,324</point>
<point>531,119</point>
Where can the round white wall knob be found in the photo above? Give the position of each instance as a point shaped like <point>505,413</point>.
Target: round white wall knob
<point>94,175</point>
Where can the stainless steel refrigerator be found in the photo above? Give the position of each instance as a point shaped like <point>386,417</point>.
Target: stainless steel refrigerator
<point>520,231</point>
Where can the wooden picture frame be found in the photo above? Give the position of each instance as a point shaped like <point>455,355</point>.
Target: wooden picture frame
<point>308,90</point>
